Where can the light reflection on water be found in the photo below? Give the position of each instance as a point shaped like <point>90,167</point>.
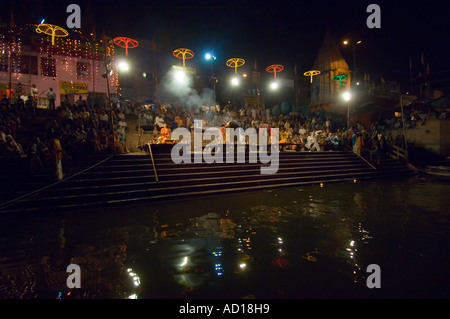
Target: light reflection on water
<point>304,242</point>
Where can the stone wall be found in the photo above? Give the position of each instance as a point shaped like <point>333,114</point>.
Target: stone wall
<point>433,135</point>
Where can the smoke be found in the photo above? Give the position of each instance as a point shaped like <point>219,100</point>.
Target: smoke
<point>177,87</point>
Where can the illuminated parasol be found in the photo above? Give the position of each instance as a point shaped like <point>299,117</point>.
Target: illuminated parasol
<point>274,68</point>
<point>126,43</point>
<point>235,63</point>
<point>311,74</point>
<point>340,77</point>
<point>183,53</point>
<point>52,30</point>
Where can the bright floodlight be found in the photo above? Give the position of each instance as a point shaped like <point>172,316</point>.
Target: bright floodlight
<point>123,66</point>
<point>235,81</point>
<point>208,56</point>
<point>180,75</point>
<point>274,85</point>
<point>347,96</point>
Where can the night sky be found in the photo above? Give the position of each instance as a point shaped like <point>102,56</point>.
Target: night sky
<point>282,32</point>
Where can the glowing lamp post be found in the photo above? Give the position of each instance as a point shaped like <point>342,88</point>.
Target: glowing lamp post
<point>211,57</point>
<point>347,97</point>
<point>52,30</point>
<point>340,77</point>
<point>123,66</point>
<point>184,54</point>
<point>274,68</point>
<point>311,74</point>
<point>347,42</point>
<point>126,43</point>
<point>235,63</point>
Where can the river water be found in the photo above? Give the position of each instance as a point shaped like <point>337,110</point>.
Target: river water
<point>303,242</point>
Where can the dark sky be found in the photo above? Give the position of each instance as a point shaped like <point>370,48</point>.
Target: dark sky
<point>282,32</point>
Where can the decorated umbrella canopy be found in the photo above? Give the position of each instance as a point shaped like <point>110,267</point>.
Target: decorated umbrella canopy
<point>311,74</point>
<point>184,54</point>
<point>235,63</point>
<point>52,30</point>
<point>274,68</point>
<point>340,77</point>
<point>126,43</point>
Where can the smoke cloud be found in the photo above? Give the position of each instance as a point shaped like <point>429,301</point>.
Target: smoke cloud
<point>177,87</point>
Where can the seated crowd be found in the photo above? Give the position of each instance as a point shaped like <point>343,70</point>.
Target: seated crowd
<point>83,128</point>
<point>317,131</point>
<point>80,128</point>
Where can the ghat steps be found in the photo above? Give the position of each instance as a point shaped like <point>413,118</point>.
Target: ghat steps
<point>125,179</point>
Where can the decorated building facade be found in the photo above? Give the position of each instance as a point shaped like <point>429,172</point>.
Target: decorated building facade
<point>72,65</point>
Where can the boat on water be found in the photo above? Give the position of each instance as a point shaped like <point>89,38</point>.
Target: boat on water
<point>439,170</point>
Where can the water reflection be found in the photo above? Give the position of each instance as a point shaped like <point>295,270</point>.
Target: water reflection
<point>293,243</point>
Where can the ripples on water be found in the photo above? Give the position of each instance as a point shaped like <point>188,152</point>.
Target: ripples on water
<point>304,242</point>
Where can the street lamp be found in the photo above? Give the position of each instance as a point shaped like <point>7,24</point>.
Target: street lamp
<point>274,85</point>
<point>211,57</point>
<point>180,76</point>
<point>123,66</point>
<point>347,42</point>
<point>347,97</point>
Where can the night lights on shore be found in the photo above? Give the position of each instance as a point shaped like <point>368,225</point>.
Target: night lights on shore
<point>123,66</point>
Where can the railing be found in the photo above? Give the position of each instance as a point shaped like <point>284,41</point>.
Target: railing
<point>367,162</point>
<point>397,152</point>
<point>153,162</point>
<point>12,201</point>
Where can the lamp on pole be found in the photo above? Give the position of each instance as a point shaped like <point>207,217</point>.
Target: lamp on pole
<point>347,97</point>
<point>353,44</point>
<point>211,57</point>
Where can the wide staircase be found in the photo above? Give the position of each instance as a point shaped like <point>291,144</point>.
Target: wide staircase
<point>126,179</point>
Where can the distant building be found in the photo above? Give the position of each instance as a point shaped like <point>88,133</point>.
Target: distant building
<point>330,63</point>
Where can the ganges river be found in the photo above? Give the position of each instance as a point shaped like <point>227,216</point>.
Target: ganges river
<point>304,242</point>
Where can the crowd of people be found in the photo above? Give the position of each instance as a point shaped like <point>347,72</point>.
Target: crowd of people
<point>317,131</point>
<point>82,129</point>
